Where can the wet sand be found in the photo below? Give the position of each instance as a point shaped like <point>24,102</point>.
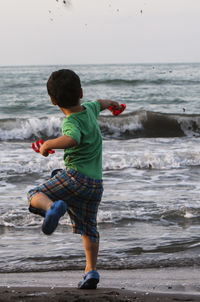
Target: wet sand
<point>44,294</point>
<point>148,285</point>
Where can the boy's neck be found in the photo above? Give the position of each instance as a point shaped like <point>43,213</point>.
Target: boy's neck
<point>74,109</point>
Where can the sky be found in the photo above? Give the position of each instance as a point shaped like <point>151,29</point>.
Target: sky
<point>40,32</point>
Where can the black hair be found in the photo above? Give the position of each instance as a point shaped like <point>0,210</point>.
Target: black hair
<point>64,87</point>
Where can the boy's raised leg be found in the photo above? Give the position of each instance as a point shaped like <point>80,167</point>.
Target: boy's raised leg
<point>53,211</point>
<point>41,201</point>
<point>53,215</point>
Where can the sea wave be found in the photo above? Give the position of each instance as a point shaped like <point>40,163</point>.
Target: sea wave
<point>29,129</point>
<point>62,263</point>
<point>138,82</point>
<point>30,163</point>
<point>20,219</point>
<point>127,126</point>
<point>150,124</point>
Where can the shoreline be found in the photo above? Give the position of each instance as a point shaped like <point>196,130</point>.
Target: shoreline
<point>149,285</point>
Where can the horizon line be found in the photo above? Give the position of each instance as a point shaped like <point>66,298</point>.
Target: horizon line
<point>82,64</point>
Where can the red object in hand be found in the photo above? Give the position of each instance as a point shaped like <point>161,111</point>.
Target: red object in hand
<point>37,147</point>
<point>117,111</point>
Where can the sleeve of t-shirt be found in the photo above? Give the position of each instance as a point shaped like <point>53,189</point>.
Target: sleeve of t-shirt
<point>94,106</point>
<point>71,130</point>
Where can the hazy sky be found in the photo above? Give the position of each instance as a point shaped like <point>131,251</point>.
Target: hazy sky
<point>99,31</point>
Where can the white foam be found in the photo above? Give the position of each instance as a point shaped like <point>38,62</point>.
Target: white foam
<point>25,161</point>
<point>150,154</point>
<point>121,125</point>
<point>189,215</point>
<point>25,129</point>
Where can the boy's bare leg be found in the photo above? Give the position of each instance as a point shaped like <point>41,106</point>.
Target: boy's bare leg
<point>41,201</point>
<point>91,253</point>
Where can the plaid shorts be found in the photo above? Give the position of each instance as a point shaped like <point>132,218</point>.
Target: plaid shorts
<point>82,195</point>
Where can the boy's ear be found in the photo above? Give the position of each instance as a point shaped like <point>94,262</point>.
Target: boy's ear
<point>53,102</point>
<point>81,94</point>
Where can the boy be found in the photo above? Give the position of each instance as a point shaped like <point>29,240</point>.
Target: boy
<point>78,189</point>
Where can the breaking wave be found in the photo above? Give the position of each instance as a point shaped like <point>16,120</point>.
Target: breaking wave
<point>150,124</point>
<point>127,126</point>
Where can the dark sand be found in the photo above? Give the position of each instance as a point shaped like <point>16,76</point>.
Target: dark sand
<point>148,285</point>
<point>44,294</point>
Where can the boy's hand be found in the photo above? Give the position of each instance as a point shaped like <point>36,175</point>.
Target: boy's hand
<point>117,111</point>
<point>104,104</point>
<point>113,106</point>
<point>36,147</point>
<point>44,150</point>
<point>62,142</point>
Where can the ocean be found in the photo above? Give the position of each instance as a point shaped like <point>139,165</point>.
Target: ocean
<point>149,216</point>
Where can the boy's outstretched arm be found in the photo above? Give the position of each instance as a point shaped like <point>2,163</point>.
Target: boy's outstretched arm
<point>62,142</point>
<point>104,104</point>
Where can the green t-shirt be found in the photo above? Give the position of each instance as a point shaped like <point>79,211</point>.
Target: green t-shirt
<point>83,127</point>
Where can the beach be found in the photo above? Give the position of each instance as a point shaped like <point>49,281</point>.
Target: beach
<point>164,285</point>
<point>45,294</point>
<point>149,215</point>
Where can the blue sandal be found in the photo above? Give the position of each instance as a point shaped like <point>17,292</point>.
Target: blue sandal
<point>89,280</point>
<point>53,215</point>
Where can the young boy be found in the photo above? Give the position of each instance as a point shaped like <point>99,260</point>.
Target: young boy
<point>78,189</point>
